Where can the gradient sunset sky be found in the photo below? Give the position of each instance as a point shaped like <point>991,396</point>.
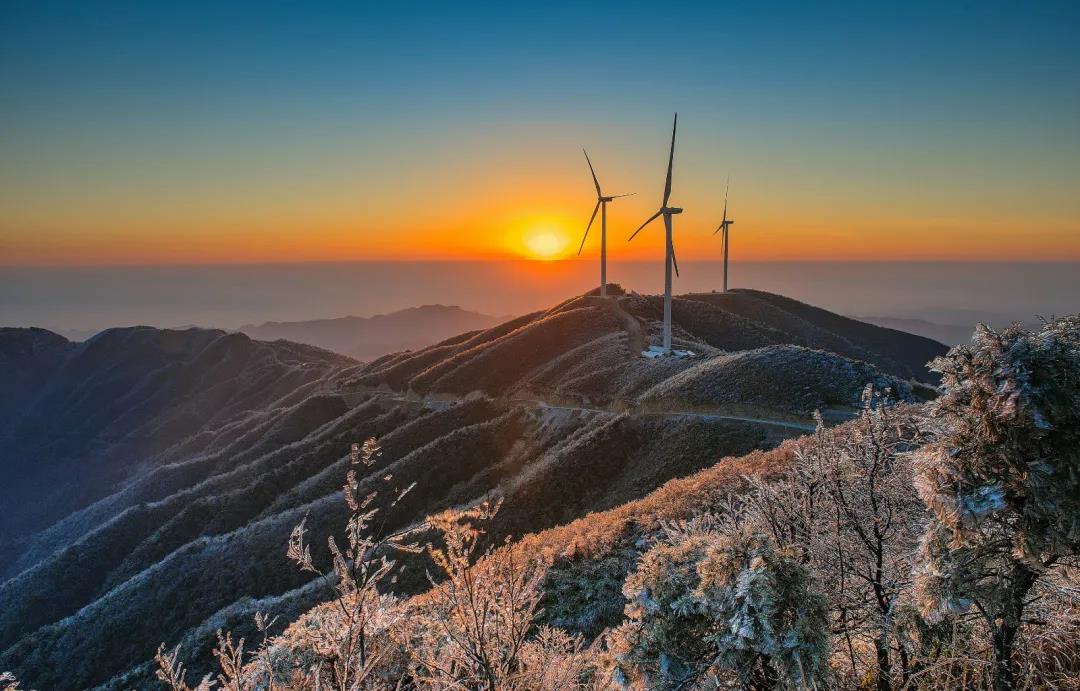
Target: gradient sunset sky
<point>147,132</point>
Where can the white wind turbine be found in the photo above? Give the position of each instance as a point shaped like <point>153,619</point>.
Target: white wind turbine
<point>601,206</point>
<point>725,242</point>
<point>669,254</point>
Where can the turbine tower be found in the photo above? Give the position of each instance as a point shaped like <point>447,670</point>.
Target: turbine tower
<point>601,206</point>
<point>725,242</point>
<point>669,254</point>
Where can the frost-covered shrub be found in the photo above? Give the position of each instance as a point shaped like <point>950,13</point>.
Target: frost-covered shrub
<point>716,600</point>
<point>1002,477</point>
<point>309,651</point>
<point>554,660</point>
<point>353,650</point>
<point>847,508</point>
<point>473,629</point>
<point>10,683</point>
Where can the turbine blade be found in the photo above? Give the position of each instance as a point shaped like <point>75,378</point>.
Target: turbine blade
<point>726,188</point>
<point>595,181</point>
<point>723,239</point>
<point>591,219</point>
<point>651,219</point>
<point>628,194</point>
<point>674,262</point>
<point>670,160</point>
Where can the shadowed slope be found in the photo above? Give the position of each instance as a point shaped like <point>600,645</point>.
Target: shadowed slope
<point>116,400</point>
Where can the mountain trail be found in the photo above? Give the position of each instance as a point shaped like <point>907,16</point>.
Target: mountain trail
<point>442,401</point>
<point>635,340</point>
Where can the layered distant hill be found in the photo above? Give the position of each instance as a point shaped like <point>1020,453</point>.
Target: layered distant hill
<point>152,477</point>
<point>366,338</point>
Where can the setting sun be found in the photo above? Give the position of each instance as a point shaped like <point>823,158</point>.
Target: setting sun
<point>545,243</point>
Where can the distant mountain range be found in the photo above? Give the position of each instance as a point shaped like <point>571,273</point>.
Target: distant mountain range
<point>152,477</point>
<point>366,338</point>
<point>362,338</point>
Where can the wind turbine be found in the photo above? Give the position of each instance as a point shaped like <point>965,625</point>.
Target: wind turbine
<point>601,205</point>
<point>669,255</point>
<point>725,243</point>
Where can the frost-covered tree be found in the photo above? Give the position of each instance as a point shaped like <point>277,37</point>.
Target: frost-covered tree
<point>712,599</point>
<point>470,631</point>
<point>1002,477</point>
<point>358,571</point>
<point>847,508</point>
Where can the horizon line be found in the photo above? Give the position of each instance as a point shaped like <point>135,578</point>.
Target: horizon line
<point>514,260</point>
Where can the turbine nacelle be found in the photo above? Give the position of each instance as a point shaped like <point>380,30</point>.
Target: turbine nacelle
<point>671,210</point>
<point>601,201</point>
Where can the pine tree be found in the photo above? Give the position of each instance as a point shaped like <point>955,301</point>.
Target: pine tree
<point>723,600</point>
<point>1002,477</point>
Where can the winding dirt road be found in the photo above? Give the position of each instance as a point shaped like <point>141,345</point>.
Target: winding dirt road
<point>802,427</point>
<point>443,401</point>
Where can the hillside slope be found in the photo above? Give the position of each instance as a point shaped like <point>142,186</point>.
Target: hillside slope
<point>184,459</point>
<point>81,417</point>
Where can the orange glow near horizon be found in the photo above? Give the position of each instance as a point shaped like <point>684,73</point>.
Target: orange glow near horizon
<point>547,237</point>
<point>536,212</point>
